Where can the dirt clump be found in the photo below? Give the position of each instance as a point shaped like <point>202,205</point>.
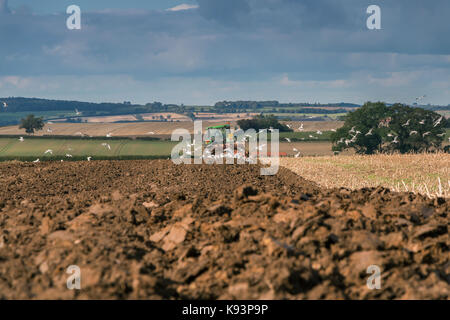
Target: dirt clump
<point>154,230</point>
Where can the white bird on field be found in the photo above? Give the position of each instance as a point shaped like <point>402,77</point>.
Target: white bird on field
<point>151,132</point>
<point>21,139</point>
<point>69,155</point>
<point>78,133</point>
<point>438,122</point>
<point>295,149</point>
<point>288,126</point>
<point>297,155</point>
<point>413,132</point>
<point>426,134</point>
<point>288,140</point>
<point>319,132</point>
<point>36,161</point>
<point>406,123</point>
<point>369,133</point>
<point>89,158</point>
<point>109,135</point>
<point>390,135</point>
<point>334,130</point>
<point>48,151</point>
<point>311,136</point>
<point>301,127</point>
<point>422,122</point>
<point>341,140</point>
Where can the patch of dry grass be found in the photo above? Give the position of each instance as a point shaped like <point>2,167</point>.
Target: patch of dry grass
<point>427,174</point>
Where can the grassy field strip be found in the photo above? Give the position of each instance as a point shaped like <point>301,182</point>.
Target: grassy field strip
<point>427,174</point>
<point>11,147</point>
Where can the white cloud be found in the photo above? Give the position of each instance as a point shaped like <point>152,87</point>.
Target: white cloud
<point>182,7</point>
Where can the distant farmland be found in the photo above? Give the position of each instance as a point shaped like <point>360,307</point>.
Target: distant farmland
<point>157,129</point>
<point>33,148</point>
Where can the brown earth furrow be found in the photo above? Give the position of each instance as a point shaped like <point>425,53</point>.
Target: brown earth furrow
<point>153,230</point>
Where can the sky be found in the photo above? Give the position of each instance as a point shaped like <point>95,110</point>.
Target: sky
<point>204,51</point>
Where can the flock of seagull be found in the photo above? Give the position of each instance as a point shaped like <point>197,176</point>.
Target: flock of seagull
<point>395,140</point>
<point>68,155</point>
<point>230,153</point>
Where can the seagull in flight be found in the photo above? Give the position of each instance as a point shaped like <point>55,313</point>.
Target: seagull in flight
<point>406,123</point>
<point>89,158</point>
<point>426,134</point>
<point>438,122</point>
<point>413,132</point>
<point>106,145</point>
<point>301,127</point>
<point>5,105</point>
<point>36,161</point>
<point>319,132</point>
<point>288,140</point>
<point>77,112</point>
<point>69,155</point>
<point>369,133</point>
<point>109,135</point>
<point>49,151</point>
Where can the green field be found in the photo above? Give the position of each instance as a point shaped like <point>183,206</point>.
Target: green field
<point>30,149</point>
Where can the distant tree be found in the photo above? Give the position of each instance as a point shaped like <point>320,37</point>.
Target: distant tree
<point>417,129</point>
<point>191,115</point>
<point>263,122</point>
<point>31,124</point>
<point>378,128</point>
<point>356,132</point>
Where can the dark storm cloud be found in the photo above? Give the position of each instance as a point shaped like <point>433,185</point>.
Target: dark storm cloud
<point>232,39</point>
